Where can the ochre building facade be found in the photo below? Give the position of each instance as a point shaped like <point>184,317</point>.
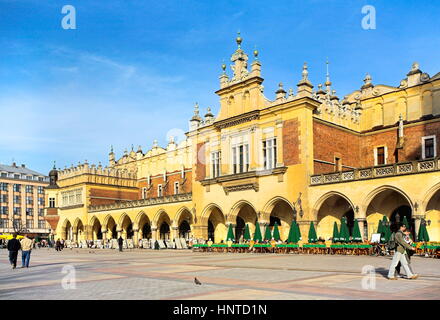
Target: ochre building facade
<point>306,155</point>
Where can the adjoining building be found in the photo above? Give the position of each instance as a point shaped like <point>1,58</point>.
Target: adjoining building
<point>22,201</point>
<point>306,156</point>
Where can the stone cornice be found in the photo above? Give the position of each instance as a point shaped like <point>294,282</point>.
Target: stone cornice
<point>142,202</point>
<point>244,175</point>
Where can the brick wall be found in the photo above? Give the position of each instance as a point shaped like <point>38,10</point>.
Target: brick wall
<point>105,196</point>
<point>329,142</point>
<point>291,144</point>
<point>169,189</point>
<point>358,150</point>
<point>201,163</point>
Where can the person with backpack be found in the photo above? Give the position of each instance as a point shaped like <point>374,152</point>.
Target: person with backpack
<point>408,239</point>
<point>400,254</point>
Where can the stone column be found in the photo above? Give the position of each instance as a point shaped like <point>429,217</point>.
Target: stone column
<point>104,236</point>
<point>119,231</point>
<point>174,233</point>
<point>136,238</point>
<point>263,226</point>
<point>417,222</point>
<point>363,228</point>
<point>154,233</point>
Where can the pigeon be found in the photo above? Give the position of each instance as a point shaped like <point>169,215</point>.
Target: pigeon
<point>196,281</point>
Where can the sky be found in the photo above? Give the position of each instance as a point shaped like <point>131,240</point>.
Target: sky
<point>132,70</point>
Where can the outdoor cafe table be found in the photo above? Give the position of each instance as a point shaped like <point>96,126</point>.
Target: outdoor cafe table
<point>239,247</point>
<point>219,247</point>
<point>286,248</point>
<point>314,248</point>
<point>431,250</point>
<point>200,247</point>
<point>260,248</point>
<point>353,249</point>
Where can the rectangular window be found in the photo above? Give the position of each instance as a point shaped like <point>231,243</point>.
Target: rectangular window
<point>17,211</point>
<point>4,223</point>
<point>215,163</point>
<point>338,164</point>
<point>29,211</point>
<point>4,198</point>
<point>144,193</point>
<point>240,158</point>
<point>176,187</point>
<point>41,212</point>
<point>159,190</point>
<point>380,155</point>
<point>40,190</point>
<point>270,153</point>
<point>41,224</point>
<point>29,189</point>
<point>17,199</point>
<point>29,200</point>
<point>429,147</point>
<point>51,202</point>
<point>4,210</point>
<point>3,186</point>
<point>17,187</point>
<point>4,175</point>
<point>29,224</point>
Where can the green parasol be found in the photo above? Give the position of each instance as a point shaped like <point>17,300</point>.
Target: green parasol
<point>344,235</point>
<point>247,234</point>
<point>267,234</point>
<point>386,229</point>
<point>312,233</point>
<point>291,231</point>
<point>230,234</point>
<point>276,232</point>
<point>405,222</point>
<point>257,234</point>
<point>356,231</point>
<point>298,232</point>
<point>335,232</point>
<point>423,233</point>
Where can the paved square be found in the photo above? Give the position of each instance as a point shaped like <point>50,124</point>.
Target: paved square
<point>149,274</point>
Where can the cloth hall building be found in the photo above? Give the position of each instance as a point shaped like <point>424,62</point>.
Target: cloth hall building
<point>305,155</point>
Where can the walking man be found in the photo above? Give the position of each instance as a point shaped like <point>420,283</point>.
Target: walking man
<point>26,248</point>
<point>120,242</point>
<point>13,247</point>
<point>400,255</point>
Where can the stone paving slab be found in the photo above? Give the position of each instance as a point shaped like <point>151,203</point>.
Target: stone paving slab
<point>169,274</point>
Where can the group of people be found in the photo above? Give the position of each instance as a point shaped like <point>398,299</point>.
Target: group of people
<point>25,245</point>
<point>401,244</point>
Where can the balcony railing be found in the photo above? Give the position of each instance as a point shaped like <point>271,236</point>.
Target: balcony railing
<point>383,171</point>
<point>142,202</point>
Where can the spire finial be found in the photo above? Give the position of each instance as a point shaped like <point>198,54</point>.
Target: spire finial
<point>111,149</point>
<point>327,77</point>
<point>255,53</point>
<point>238,39</point>
<point>224,66</point>
<point>305,72</point>
<point>54,164</point>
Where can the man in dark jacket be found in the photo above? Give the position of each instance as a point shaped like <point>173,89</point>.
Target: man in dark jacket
<point>13,247</point>
<point>120,242</point>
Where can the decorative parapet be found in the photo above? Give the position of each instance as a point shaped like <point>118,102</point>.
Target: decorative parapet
<point>142,202</point>
<point>98,174</point>
<point>382,171</point>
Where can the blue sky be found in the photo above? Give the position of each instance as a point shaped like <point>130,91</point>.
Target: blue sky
<point>132,70</point>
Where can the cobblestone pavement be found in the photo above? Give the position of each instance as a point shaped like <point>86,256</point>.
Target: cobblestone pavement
<point>149,274</point>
